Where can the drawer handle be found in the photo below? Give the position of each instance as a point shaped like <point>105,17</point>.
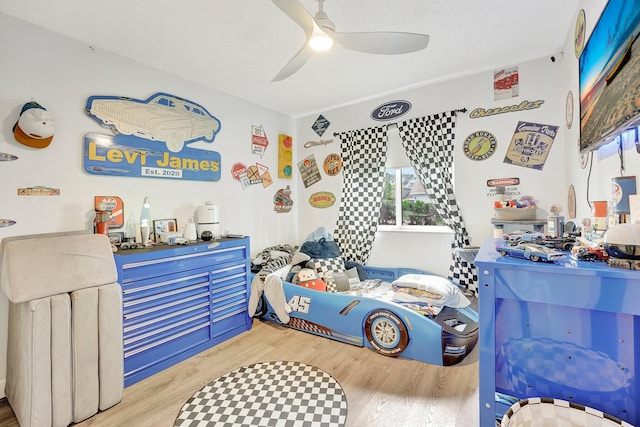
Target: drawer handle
<point>137,301</point>
<point>166,282</point>
<point>132,340</point>
<point>163,306</point>
<point>165,317</point>
<point>172,337</point>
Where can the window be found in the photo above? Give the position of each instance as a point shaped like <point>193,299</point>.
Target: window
<point>405,198</point>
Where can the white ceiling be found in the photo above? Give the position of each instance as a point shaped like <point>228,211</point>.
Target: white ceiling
<point>238,46</point>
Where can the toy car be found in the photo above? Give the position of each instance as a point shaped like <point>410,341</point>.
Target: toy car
<point>590,253</point>
<point>161,117</point>
<point>388,328</point>
<point>563,243</point>
<point>531,251</point>
<point>522,236</point>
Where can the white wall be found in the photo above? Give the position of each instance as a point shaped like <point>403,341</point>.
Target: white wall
<point>61,74</point>
<point>539,80</point>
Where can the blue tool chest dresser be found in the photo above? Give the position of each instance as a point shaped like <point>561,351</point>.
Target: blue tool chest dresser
<point>568,330</point>
<point>181,300</point>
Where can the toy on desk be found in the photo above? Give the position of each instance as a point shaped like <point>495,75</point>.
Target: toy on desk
<point>530,251</point>
<point>526,202</point>
<point>309,279</point>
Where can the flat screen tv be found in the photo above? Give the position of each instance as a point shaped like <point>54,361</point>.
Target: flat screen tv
<point>610,75</point>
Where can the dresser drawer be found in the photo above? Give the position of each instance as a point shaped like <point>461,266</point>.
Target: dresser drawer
<point>134,271</point>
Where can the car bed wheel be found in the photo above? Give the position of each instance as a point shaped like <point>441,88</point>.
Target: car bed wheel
<point>503,253</point>
<point>386,333</point>
<point>534,258</point>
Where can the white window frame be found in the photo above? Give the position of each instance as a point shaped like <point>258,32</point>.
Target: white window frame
<point>408,228</point>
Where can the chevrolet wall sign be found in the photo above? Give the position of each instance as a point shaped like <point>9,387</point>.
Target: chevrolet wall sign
<point>391,110</point>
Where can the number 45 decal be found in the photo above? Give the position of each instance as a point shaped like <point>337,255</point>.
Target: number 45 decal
<point>300,304</point>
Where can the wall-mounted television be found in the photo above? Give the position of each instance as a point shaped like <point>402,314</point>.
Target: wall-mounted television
<point>610,75</point>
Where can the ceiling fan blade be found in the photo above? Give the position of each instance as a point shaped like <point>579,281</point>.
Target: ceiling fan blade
<point>296,11</point>
<point>294,64</point>
<point>385,43</point>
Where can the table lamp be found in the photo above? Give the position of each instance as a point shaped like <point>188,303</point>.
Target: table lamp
<point>145,222</point>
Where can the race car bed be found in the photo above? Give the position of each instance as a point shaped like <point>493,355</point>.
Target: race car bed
<point>382,316</point>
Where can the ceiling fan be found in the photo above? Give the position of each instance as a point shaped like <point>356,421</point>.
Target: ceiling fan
<point>321,33</point>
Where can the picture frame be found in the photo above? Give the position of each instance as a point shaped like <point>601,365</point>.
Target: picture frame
<point>167,225</point>
<point>116,237</point>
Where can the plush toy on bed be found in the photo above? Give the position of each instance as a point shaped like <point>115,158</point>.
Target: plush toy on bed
<point>309,279</point>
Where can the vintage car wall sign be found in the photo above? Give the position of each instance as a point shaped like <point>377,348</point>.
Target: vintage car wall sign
<point>161,117</point>
<point>391,110</point>
<point>135,157</point>
<point>480,145</point>
<point>322,199</point>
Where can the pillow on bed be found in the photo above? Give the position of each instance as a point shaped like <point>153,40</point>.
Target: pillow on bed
<point>438,290</point>
<point>325,267</point>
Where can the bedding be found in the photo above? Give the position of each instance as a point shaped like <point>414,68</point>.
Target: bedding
<point>431,289</point>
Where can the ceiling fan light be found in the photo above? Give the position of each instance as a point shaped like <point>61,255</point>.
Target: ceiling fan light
<point>320,42</point>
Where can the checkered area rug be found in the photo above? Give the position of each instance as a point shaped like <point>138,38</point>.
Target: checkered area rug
<point>278,394</point>
<point>546,412</point>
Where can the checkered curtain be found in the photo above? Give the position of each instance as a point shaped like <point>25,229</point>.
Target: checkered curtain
<point>428,142</point>
<point>364,153</point>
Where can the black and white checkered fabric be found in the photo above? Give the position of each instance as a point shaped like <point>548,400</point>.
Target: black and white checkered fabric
<point>280,393</point>
<point>549,412</point>
<point>364,154</point>
<point>325,268</point>
<point>428,142</point>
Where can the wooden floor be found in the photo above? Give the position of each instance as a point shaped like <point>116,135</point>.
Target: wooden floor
<point>381,391</point>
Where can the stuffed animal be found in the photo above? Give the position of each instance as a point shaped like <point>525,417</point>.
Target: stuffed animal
<point>309,279</point>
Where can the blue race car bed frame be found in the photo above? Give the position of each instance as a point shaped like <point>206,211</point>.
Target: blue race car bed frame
<point>384,326</point>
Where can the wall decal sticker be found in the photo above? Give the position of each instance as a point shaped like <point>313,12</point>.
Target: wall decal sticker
<point>571,201</point>
<point>114,205</point>
<point>507,188</point>
<point>161,117</point>
<point>569,110</point>
<point>621,188</point>
<point>259,141</point>
<point>309,171</point>
<point>239,173</point>
<point>579,36</point>
<point>523,106</point>
<point>322,199</point>
<point>506,84</point>
<point>530,145</point>
<point>265,176</point>
<point>332,164</point>
<point>282,202</point>
<point>6,157</point>
<point>480,145</point>
<point>320,125</point>
<point>285,156</point>
<point>38,190</point>
<point>502,182</point>
<point>391,110</point>
<point>140,158</point>
<point>310,144</point>
<point>6,222</point>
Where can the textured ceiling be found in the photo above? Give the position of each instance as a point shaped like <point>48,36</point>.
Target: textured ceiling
<point>238,46</point>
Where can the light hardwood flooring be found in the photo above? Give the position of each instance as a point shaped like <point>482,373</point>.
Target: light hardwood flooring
<point>381,391</point>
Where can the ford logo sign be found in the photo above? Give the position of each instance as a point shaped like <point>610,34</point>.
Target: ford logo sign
<point>391,110</point>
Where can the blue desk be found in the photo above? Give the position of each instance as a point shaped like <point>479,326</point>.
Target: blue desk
<point>569,330</point>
